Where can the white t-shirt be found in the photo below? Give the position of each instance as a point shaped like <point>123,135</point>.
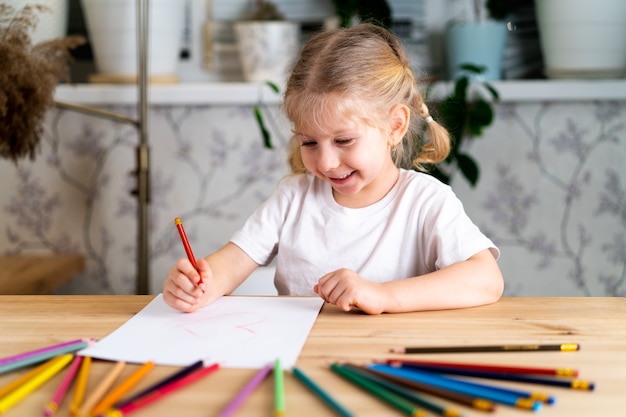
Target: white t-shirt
<point>420,226</point>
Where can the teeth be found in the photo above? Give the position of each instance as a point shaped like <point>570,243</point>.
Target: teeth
<point>345,176</point>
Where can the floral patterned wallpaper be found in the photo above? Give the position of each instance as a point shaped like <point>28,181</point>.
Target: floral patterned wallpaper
<point>552,192</point>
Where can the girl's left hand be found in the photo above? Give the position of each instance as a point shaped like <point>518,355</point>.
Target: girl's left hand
<point>347,289</point>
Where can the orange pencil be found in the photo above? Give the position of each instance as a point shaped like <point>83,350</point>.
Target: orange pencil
<point>81,385</point>
<point>183,237</point>
<point>123,388</point>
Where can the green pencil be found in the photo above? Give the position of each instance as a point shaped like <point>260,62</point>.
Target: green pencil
<point>403,392</point>
<point>341,410</point>
<point>279,390</point>
<point>384,394</point>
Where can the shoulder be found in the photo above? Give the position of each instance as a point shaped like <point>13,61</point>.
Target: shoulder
<point>422,184</point>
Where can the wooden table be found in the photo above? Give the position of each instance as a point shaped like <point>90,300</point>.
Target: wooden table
<point>598,324</point>
<point>40,274</point>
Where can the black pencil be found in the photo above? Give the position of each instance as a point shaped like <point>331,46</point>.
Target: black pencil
<point>563,347</point>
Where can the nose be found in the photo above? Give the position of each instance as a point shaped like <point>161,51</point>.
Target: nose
<point>327,159</point>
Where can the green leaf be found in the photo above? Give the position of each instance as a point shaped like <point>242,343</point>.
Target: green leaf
<point>468,168</point>
<point>267,141</point>
<point>479,117</point>
<point>273,86</point>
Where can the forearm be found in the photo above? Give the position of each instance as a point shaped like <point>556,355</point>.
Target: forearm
<point>476,281</point>
<point>230,266</point>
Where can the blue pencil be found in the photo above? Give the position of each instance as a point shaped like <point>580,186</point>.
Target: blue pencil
<point>489,392</point>
<point>403,392</point>
<point>309,383</point>
<point>503,376</point>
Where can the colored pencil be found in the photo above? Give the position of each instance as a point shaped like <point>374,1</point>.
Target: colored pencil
<point>43,356</point>
<point>321,393</point>
<point>81,385</point>
<point>556,382</point>
<point>59,395</point>
<point>279,390</point>
<point>21,380</point>
<point>501,395</point>
<point>567,372</point>
<point>471,401</point>
<point>120,390</point>
<point>183,237</point>
<point>162,391</point>
<point>165,381</point>
<point>563,347</point>
<point>101,389</point>
<point>404,392</point>
<point>31,385</point>
<point>238,400</point>
<point>382,393</point>
<point>37,352</point>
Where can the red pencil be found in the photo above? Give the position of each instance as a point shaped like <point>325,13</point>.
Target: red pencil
<point>489,368</point>
<point>183,237</point>
<point>163,391</point>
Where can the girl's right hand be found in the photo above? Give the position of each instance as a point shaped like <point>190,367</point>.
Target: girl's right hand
<point>182,290</point>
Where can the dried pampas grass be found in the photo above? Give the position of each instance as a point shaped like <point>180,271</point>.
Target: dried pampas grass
<point>29,75</point>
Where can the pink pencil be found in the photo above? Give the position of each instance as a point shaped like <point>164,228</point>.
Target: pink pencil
<point>58,396</point>
<point>246,391</point>
<point>24,355</point>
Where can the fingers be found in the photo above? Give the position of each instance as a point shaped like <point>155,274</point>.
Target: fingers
<point>334,288</point>
<point>181,289</point>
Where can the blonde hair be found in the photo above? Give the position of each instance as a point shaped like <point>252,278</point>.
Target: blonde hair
<point>364,64</point>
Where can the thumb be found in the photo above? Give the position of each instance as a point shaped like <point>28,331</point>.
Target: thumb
<point>203,269</point>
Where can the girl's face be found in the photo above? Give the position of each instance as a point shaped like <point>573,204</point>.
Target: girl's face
<point>353,157</point>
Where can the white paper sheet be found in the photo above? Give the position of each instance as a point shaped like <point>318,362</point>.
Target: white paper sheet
<point>236,332</point>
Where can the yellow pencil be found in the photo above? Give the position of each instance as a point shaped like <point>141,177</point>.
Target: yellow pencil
<point>29,386</point>
<point>121,390</point>
<point>19,381</point>
<point>81,385</point>
<point>101,389</point>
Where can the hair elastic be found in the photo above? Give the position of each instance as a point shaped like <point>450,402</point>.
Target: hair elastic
<point>429,119</point>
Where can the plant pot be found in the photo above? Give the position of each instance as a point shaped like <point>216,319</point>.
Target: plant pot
<point>52,24</point>
<point>267,49</point>
<point>583,39</point>
<point>477,44</point>
<point>112,29</point>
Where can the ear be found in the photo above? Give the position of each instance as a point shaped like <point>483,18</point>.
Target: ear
<point>399,118</point>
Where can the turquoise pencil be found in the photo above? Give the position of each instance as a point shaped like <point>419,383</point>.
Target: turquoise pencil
<point>309,383</point>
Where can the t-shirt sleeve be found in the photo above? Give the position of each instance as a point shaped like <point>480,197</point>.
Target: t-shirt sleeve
<point>453,236</point>
<point>259,236</point>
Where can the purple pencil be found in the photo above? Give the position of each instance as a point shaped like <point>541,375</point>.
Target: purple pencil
<point>246,391</point>
<point>58,396</point>
<point>24,355</point>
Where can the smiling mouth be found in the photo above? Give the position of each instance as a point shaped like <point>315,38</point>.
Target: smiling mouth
<point>342,178</point>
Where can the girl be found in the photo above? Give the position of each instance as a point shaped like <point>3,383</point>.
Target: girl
<point>349,224</point>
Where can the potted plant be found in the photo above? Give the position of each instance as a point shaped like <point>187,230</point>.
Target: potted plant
<point>267,43</point>
<point>479,38</point>
<point>465,112</point>
<point>375,11</point>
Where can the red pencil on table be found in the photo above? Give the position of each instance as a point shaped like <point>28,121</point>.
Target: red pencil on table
<point>183,237</point>
<point>162,391</point>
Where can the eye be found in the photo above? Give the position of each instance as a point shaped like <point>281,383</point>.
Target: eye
<point>344,141</point>
<point>307,143</point>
